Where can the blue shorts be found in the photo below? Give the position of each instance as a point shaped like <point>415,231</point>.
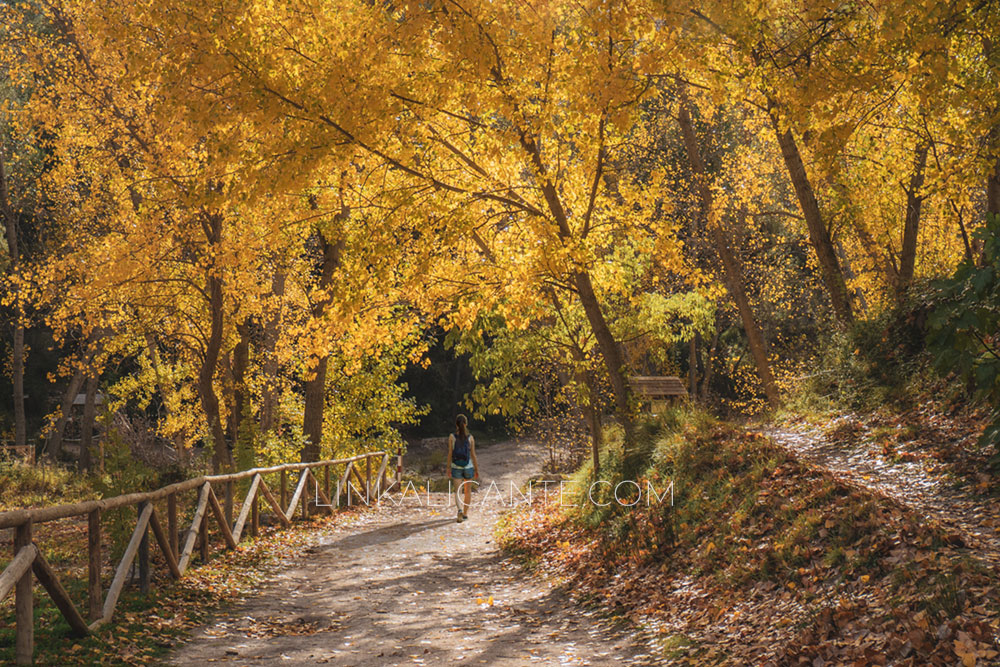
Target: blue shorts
<point>460,472</point>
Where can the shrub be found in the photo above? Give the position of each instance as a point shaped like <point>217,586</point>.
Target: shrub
<point>23,485</point>
<point>965,327</point>
<point>123,473</point>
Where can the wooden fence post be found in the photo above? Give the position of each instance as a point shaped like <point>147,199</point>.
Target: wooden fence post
<point>203,540</point>
<point>249,503</point>
<point>326,479</point>
<point>164,542</point>
<point>220,520</point>
<point>344,485</point>
<point>298,495</point>
<point>305,495</point>
<point>279,511</point>
<point>143,554</point>
<point>23,603</point>
<point>283,494</point>
<point>172,524</point>
<point>229,504</point>
<point>322,496</point>
<point>368,479</point>
<point>399,468</point>
<point>94,566</point>
<point>255,515</point>
<point>47,578</point>
<point>385,474</point>
<point>193,533</point>
<point>125,565</point>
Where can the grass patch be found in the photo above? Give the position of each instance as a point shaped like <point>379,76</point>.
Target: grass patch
<point>23,485</point>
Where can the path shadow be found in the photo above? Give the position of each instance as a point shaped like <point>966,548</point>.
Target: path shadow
<point>500,635</point>
<point>379,536</point>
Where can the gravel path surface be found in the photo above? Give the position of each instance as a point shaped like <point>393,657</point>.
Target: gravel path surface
<point>407,585</point>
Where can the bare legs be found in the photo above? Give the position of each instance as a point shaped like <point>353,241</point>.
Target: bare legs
<point>464,488</point>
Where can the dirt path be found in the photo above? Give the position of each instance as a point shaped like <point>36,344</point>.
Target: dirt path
<point>970,522</point>
<point>400,587</point>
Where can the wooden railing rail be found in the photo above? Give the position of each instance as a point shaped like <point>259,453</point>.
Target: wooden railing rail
<point>24,452</point>
<point>177,553</point>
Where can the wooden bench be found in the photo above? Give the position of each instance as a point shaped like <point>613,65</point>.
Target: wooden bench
<point>656,390</point>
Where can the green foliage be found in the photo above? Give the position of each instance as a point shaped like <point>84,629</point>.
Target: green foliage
<point>277,448</point>
<point>965,324</point>
<point>623,526</point>
<point>875,360</point>
<point>245,451</point>
<point>23,485</point>
<point>671,319</point>
<point>534,371</point>
<point>884,362</point>
<point>366,402</point>
<point>123,473</point>
<point>515,370</point>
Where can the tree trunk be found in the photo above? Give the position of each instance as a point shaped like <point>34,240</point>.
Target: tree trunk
<point>693,366</point>
<point>591,414</point>
<point>315,404</point>
<point>911,223</point>
<point>221,458</point>
<point>270,390</point>
<point>87,423</point>
<point>17,352</point>
<point>992,143</point>
<point>993,181</point>
<point>819,235</point>
<point>849,274</point>
<point>315,386</point>
<point>17,370</point>
<point>241,360</point>
<point>593,419</point>
<point>57,428</point>
<point>706,382</point>
<point>732,271</point>
<point>456,388</point>
<point>614,362</point>
<point>588,406</point>
<point>959,212</point>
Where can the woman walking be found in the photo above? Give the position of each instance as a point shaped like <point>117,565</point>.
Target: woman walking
<point>464,467</point>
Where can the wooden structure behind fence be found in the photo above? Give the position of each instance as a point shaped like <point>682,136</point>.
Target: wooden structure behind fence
<point>177,553</point>
<point>25,453</point>
<point>657,389</point>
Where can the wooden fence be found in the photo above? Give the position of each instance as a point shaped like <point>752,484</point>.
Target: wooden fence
<point>28,559</point>
<point>24,452</point>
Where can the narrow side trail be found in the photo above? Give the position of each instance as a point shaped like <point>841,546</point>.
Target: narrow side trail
<point>969,522</point>
<point>400,587</point>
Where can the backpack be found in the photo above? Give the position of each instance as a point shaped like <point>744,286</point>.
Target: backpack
<point>460,452</point>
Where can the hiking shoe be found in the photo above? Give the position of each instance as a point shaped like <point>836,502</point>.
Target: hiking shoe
<point>461,518</point>
<point>465,517</point>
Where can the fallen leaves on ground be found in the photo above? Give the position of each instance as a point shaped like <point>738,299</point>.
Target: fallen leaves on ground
<point>788,566</point>
<point>147,627</point>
